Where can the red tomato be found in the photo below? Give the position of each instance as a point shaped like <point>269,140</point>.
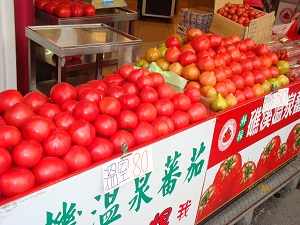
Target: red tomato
<point>134,75</point>
<point>105,125</point>
<point>57,143</point>
<point>79,88</point>
<point>209,201</point>
<point>17,115</point>
<point>249,43</point>
<point>215,40</point>
<point>235,67</point>
<point>87,110</point>
<point>129,101</point>
<point>144,81</point>
<point>249,92</point>
<point>5,160</point>
<point>158,79</point>
<point>76,10</point>
<point>143,132</point>
<point>172,41</point>
<point>220,74</point>
<point>187,58</point>
<point>49,110</point>
<point>240,96</point>
<point>235,54</point>
<point>27,153</point>
<point>91,94</point>
<point>219,60</point>
<point>148,95</point>
<point>172,54</point>
<point>201,42</point>
<point>113,80</point>
<point>69,105</point>
<point>121,137</point>
<point>36,128</point>
<point>281,156</point>
<point>244,179</point>
<point>126,120</point>
<point>50,7</point>
<point>98,84</point>
<point>10,136</point>
<point>89,10</point>
<point>293,141</point>
<point>257,63</point>
<point>249,78</point>
<point>259,76</point>
<point>181,102</point>
<point>16,181</point>
<point>266,61</point>
<point>261,49</point>
<point>221,88</point>
<point>267,72</point>
<point>206,64</point>
<point>63,120</point>
<point>48,169</point>
<point>161,126</point>
<point>187,47</point>
<point>77,157</point>
<point>62,92</point>
<point>230,86</point>
<point>110,106</point>
<point>125,70</point>
<point>274,71</point>
<point>100,149</point>
<point>82,132</point>
<point>273,57</point>
<point>241,45</point>
<point>79,2</point>
<point>35,100</point>
<point>63,11</point>
<point>115,91</point>
<point>238,81</point>
<point>146,112</point>
<point>130,88</point>
<point>164,107</point>
<point>165,91</point>
<point>180,119</point>
<point>226,173</point>
<point>2,122</point>
<point>226,57</point>
<point>8,98</point>
<point>40,4</point>
<point>197,112</point>
<point>246,64</point>
<point>193,93</point>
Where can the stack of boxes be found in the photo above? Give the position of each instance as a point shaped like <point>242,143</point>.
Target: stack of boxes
<point>193,18</point>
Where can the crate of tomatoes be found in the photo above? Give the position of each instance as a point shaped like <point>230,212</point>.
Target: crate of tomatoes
<point>241,19</point>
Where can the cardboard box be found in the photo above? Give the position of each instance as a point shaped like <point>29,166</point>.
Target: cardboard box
<point>285,12</point>
<point>259,29</point>
<point>132,5</point>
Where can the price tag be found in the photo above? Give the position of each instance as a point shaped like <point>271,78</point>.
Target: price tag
<point>131,165</point>
<point>276,99</point>
<point>107,2</point>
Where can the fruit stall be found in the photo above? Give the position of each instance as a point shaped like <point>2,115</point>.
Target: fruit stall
<point>171,137</point>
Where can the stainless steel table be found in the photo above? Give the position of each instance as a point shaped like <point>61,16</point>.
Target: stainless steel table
<point>83,39</point>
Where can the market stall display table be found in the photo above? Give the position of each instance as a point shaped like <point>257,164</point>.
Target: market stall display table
<point>83,39</point>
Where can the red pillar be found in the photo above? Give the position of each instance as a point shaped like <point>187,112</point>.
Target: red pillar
<point>24,16</point>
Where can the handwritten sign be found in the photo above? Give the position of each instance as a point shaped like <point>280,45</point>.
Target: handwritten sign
<point>276,99</point>
<point>126,168</point>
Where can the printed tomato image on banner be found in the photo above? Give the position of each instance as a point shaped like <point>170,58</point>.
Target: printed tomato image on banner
<point>281,156</point>
<point>209,202</point>
<point>244,179</point>
<point>227,172</point>
<point>227,134</point>
<point>293,141</point>
<point>267,156</point>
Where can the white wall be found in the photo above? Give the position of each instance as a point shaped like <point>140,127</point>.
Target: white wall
<point>8,71</point>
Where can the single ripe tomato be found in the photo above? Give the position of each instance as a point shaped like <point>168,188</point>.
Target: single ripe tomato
<point>120,138</point>
<point>8,98</point>
<point>16,181</point>
<point>10,136</point>
<point>5,160</point>
<point>63,11</point>
<point>62,92</point>
<point>105,125</point>
<point>180,119</point>
<point>82,132</point>
<point>35,100</point>
<point>89,10</point>
<point>64,120</point>
<point>48,169</point>
<point>27,153</point>
<point>181,102</point>
<point>36,128</point>
<point>57,143</point>
<point>146,112</point>
<point>126,120</point>
<point>110,106</point>
<point>50,7</point>
<point>87,110</point>
<point>49,110</point>
<point>100,149</point>
<point>77,158</point>
<point>143,132</point>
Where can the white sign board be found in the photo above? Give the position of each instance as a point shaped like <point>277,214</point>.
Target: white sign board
<point>171,192</point>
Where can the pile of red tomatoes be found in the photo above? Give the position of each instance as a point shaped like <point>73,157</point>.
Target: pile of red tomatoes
<point>240,13</point>
<point>65,8</point>
<point>44,138</point>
